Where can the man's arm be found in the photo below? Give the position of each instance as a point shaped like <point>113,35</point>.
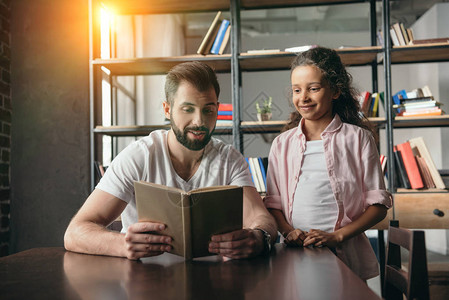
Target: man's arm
<point>255,214</point>
<point>87,232</point>
<point>249,241</point>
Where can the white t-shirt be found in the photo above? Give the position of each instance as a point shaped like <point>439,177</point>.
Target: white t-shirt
<point>148,159</point>
<point>314,205</point>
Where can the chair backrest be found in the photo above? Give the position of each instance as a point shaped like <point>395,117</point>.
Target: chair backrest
<point>414,282</point>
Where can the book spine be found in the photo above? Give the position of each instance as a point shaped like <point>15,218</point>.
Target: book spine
<point>187,225</point>
<point>259,174</point>
<point>204,47</point>
<point>402,174</point>
<point>249,168</point>
<point>264,173</point>
<point>219,38</point>
<point>419,143</point>
<point>254,174</point>
<point>411,166</point>
<point>225,107</point>
<point>219,117</point>
<point>225,113</point>
<point>225,40</point>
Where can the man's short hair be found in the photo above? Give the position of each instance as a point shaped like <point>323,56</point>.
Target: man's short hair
<point>198,74</point>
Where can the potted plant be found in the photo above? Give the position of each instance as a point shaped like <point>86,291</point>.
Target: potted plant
<point>264,111</point>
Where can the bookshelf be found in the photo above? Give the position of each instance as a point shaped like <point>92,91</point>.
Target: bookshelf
<point>235,63</point>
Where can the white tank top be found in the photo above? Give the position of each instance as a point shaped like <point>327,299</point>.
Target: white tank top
<point>314,205</point>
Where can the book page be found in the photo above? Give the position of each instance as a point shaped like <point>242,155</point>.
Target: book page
<point>214,212</point>
<point>213,188</point>
<point>158,203</point>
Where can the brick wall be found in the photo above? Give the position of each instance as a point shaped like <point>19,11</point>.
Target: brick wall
<point>5,125</point>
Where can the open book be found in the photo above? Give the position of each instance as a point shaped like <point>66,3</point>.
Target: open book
<point>191,217</point>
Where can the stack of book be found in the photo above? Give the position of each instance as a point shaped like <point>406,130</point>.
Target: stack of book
<point>224,113</point>
<point>369,103</point>
<point>419,102</point>
<point>415,167</point>
<point>258,169</point>
<point>217,37</point>
<point>400,36</point>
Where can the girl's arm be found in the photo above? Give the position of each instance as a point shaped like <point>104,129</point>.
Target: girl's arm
<point>292,236</point>
<point>372,215</point>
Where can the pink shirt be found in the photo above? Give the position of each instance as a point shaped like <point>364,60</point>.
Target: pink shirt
<point>355,175</point>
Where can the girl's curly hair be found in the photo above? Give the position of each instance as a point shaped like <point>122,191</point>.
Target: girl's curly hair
<point>334,72</point>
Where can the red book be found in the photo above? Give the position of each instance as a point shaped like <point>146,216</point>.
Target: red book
<point>224,117</point>
<point>411,167</point>
<point>225,106</point>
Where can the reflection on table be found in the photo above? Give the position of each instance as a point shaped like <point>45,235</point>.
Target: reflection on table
<point>288,273</point>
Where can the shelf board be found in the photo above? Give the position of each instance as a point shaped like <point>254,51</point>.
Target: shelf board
<point>433,121</point>
<point>273,126</point>
<point>160,65</point>
<point>222,63</point>
<point>142,7</point>
<point>420,53</point>
<point>354,56</point>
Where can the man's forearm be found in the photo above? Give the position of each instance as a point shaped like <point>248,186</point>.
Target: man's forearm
<point>91,238</point>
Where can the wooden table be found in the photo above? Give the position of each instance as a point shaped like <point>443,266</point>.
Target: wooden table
<point>289,273</point>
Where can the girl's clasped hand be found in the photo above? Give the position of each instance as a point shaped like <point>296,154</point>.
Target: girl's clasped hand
<point>314,237</point>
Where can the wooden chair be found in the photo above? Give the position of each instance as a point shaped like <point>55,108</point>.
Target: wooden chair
<point>413,283</point>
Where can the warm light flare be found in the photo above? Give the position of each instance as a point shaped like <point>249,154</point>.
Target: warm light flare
<point>107,18</point>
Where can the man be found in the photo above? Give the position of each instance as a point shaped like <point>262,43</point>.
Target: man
<point>185,157</point>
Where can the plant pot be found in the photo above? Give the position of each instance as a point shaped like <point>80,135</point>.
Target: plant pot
<point>264,117</point>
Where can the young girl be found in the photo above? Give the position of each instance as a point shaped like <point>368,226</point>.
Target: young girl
<point>325,186</point>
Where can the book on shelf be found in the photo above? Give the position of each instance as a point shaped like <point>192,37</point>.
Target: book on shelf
<point>445,177</point>
<point>252,169</point>
<point>411,167</point>
<point>258,167</point>
<point>400,95</point>
<point>383,163</point>
<point>224,111</point>
<point>423,101</point>
<point>263,172</point>
<point>410,35</point>
<point>375,106</point>
<point>225,106</point>
<point>191,217</point>
<point>206,43</point>
<point>401,173</point>
<point>425,173</point>
<point>404,33</point>
<point>263,51</point>
<point>397,29</point>
<point>219,37</point>
<point>299,49</point>
<point>430,41</point>
<point>365,102</point>
<point>262,185</point>
<point>224,117</point>
<point>394,37</point>
<point>419,144</point>
<point>400,35</point>
<point>425,112</point>
<point>225,43</point>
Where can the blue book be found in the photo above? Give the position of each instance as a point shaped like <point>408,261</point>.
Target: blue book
<point>219,38</point>
<point>249,167</point>
<point>262,169</point>
<point>224,113</point>
<point>402,94</point>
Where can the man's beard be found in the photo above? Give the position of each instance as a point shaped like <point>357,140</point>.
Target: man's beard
<point>193,145</point>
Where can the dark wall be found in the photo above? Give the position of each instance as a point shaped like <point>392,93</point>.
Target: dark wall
<point>50,119</point>
<point>5,126</point>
